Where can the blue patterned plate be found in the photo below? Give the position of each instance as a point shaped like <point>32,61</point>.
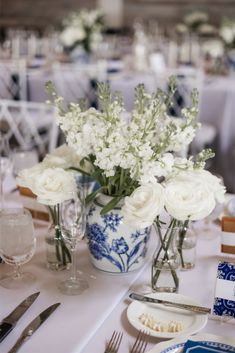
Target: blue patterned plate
<point>227,344</point>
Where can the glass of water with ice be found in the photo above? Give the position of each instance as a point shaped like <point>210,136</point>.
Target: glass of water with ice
<point>17,245</point>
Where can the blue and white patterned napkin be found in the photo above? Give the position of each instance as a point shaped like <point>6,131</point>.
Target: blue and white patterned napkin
<point>224,303</point>
<point>204,347</point>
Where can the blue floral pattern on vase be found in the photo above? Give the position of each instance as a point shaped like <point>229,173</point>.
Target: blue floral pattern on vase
<point>115,247</point>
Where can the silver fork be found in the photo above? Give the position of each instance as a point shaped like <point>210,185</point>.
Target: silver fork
<point>140,343</point>
<point>114,342</point>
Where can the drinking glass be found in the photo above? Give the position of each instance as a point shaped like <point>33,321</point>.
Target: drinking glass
<point>73,226</point>
<point>5,164</point>
<point>23,158</point>
<point>207,231</point>
<point>17,245</point>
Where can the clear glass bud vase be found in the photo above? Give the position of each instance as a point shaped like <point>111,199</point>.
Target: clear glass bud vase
<point>186,245</point>
<point>166,262</point>
<point>57,254</point>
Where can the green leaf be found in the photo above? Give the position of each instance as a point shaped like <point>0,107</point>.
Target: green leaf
<point>110,205</point>
<point>80,170</point>
<point>91,196</point>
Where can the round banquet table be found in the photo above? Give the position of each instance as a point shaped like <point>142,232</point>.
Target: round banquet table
<point>84,323</point>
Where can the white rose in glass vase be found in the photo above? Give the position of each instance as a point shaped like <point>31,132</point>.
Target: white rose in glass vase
<point>144,205</point>
<point>192,194</point>
<point>53,186</point>
<point>50,185</point>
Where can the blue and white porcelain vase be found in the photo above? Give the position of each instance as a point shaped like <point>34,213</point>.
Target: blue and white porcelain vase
<point>114,246</point>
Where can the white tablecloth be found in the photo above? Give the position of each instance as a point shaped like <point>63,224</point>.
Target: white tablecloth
<point>83,323</point>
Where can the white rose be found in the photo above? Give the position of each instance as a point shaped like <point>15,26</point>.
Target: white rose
<point>187,196</point>
<point>53,186</point>
<point>213,183</point>
<point>27,177</point>
<point>145,203</point>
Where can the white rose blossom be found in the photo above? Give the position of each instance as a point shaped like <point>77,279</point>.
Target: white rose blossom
<point>50,185</point>
<point>192,195</point>
<point>142,207</point>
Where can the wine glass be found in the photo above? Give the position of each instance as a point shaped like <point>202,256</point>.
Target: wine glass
<point>207,231</point>
<point>73,226</point>
<point>17,245</point>
<point>23,158</point>
<point>5,164</point>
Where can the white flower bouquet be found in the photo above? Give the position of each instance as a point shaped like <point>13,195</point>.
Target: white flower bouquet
<point>52,181</point>
<point>135,159</point>
<point>129,155</point>
<point>82,28</point>
<point>227,33</point>
<point>195,19</point>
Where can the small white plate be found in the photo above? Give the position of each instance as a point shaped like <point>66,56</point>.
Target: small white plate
<point>176,345</point>
<point>191,322</point>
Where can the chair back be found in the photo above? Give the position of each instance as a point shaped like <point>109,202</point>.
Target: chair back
<point>28,124</point>
<point>13,81</point>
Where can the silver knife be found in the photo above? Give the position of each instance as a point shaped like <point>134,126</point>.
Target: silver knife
<point>194,308</point>
<point>9,322</point>
<point>33,326</point>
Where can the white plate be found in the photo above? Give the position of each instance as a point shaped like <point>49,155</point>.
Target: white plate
<point>190,321</point>
<point>176,345</point>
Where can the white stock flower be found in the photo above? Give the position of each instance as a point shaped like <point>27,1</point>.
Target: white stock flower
<point>53,186</point>
<point>188,195</point>
<point>143,205</point>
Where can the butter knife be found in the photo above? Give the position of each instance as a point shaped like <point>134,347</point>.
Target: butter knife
<point>194,308</point>
<point>9,322</point>
<point>32,327</point>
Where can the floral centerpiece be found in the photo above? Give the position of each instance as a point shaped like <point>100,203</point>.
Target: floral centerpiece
<point>195,19</point>
<point>227,33</point>
<point>52,181</point>
<point>82,28</point>
<point>135,162</point>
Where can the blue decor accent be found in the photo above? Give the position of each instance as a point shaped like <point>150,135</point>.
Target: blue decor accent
<point>108,241</point>
<point>203,347</point>
<point>223,306</point>
<point>213,347</point>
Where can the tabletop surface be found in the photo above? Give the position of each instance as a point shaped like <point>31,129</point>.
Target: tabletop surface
<point>85,322</point>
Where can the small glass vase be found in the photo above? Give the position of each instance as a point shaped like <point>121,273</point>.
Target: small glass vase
<point>186,245</point>
<point>165,264</point>
<point>57,254</point>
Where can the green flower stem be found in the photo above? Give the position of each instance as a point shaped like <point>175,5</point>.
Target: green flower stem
<point>165,248</point>
<point>62,253</point>
<point>182,234</point>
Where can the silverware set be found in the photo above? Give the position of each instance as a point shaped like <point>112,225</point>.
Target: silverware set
<point>139,345</point>
<point>9,322</point>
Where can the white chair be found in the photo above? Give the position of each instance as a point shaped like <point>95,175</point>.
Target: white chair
<point>28,124</point>
<point>13,82</point>
<point>74,81</point>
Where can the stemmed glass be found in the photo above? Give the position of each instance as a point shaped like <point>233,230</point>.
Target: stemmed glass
<point>73,229</point>
<point>17,245</point>
<point>207,232</point>
<point>23,158</point>
<point>5,164</point>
